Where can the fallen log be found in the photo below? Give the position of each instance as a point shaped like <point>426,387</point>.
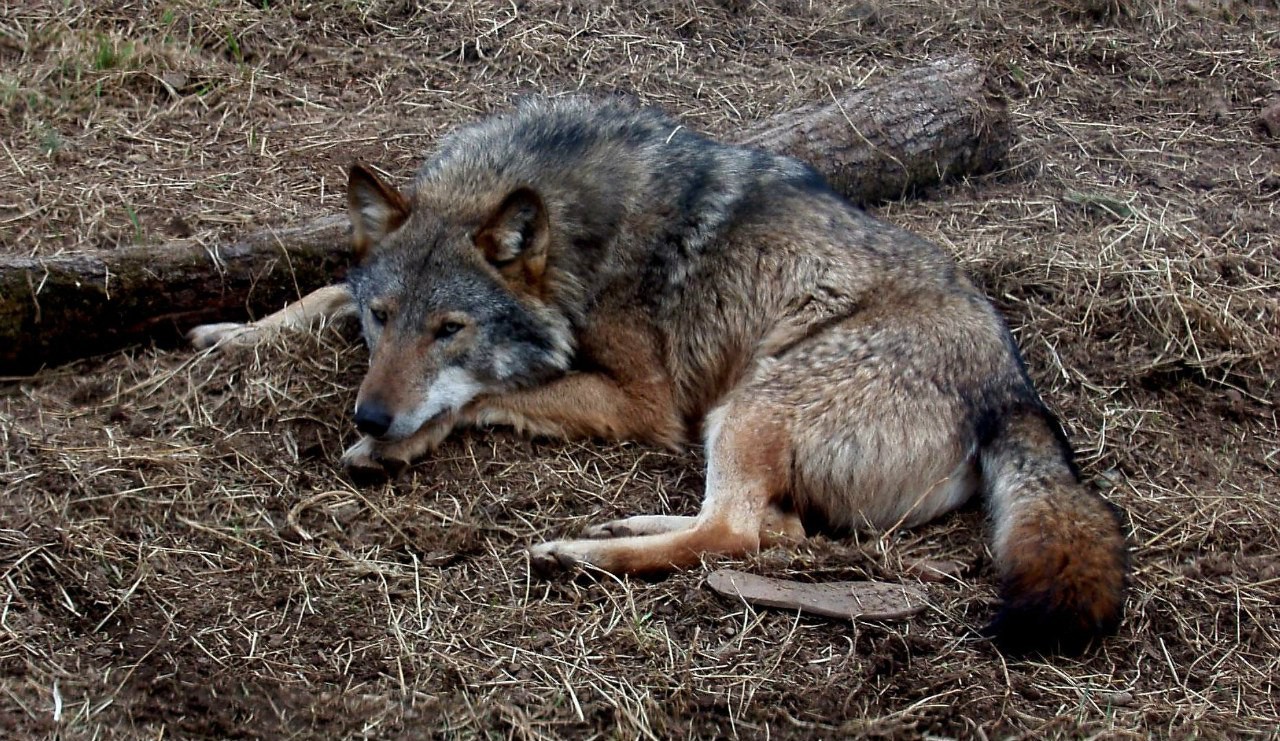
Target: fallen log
<point>927,125</point>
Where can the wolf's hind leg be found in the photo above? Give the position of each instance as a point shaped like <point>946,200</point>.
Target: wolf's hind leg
<point>748,468</point>
<point>778,526</point>
<point>640,525</point>
<point>324,304</point>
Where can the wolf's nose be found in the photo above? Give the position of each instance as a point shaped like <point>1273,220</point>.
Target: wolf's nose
<point>372,419</point>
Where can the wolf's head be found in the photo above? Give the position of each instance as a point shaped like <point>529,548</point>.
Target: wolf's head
<point>453,306</point>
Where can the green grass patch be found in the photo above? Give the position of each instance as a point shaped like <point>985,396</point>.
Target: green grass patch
<point>107,55</point>
<point>50,140</point>
<point>137,223</point>
<point>233,48</point>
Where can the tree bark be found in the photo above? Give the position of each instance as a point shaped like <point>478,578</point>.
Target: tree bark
<point>925,126</point>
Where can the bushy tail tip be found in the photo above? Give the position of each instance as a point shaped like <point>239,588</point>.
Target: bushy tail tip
<point>1064,579</point>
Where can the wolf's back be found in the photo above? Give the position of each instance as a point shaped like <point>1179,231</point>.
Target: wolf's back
<point>609,165</point>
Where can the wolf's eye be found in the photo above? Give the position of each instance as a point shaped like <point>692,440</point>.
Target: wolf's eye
<point>379,315</point>
<point>448,329</point>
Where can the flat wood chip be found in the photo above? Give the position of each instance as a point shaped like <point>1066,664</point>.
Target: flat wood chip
<point>868,600</point>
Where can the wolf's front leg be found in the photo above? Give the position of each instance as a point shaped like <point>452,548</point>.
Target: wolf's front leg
<point>321,305</point>
<point>372,460</point>
<point>576,406</point>
<point>585,405</point>
<point>630,397</point>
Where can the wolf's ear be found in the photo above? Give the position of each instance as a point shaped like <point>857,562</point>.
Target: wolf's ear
<point>376,209</point>
<point>515,238</point>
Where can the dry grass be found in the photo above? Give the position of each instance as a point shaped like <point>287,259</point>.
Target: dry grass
<point>180,555</point>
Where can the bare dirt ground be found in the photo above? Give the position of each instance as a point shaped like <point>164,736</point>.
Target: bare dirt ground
<point>180,555</point>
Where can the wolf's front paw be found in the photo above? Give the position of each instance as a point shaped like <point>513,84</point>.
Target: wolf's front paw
<point>557,557</point>
<point>367,463</point>
<point>226,333</point>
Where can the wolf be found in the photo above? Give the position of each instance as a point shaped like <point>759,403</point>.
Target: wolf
<point>584,267</point>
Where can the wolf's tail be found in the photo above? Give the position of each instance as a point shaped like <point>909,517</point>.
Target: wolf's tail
<point>1059,546</point>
